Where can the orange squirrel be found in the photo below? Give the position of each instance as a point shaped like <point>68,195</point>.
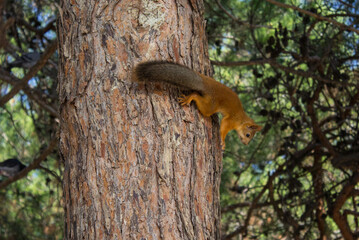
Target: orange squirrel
<point>210,96</point>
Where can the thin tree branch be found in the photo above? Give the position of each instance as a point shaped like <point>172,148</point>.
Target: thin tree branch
<point>276,65</point>
<point>346,161</point>
<point>316,128</point>
<point>240,22</point>
<point>317,178</point>
<point>303,73</point>
<point>40,31</point>
<point>283,215</point>
<point>353,101</point>
<point>5,76</point>
<point>346,4</point>
<point>32,72</point>
<point>319,17</point>
<point>4,43</point>
<point>343,15</point>
<point>354,213</point>
<point>35,164</point>
<point>243,229</point>
<point>248,204</point>
<point>340,200</point>
<point>242,63</point>
<point>14,125</point>
<point>50,172</point>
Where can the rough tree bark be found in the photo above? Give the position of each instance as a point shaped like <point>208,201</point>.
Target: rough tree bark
<point>137,164</point>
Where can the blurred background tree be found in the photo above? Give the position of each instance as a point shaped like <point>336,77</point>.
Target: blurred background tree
<point>30,206</point>
<point>294,65</point>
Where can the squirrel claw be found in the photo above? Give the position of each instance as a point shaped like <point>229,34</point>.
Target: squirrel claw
<point>183,100</point>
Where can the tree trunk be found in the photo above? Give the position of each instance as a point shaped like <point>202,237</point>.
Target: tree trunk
<point>137,164</point>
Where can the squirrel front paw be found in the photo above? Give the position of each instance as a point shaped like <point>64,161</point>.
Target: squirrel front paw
<point>223,145</point>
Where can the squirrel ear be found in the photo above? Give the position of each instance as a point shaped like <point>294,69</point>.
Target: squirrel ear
<point>255,127</point>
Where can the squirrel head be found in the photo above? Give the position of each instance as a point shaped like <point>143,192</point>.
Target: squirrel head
<point>246,131</point>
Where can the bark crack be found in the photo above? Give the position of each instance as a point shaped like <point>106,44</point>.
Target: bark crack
<point>192,184</point>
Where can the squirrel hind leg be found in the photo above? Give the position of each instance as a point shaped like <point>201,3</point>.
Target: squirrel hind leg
<point>185,100</point>
<point>204,104</point>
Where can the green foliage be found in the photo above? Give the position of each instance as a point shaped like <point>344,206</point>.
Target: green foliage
<point>309,85</point>
<point>18,133</point>
<point>31,207</point>
<point>23,203</point>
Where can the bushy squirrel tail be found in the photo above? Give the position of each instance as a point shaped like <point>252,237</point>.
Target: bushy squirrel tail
<point>169,72</point>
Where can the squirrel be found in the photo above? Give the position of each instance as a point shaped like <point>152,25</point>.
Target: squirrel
<point>209,95</point>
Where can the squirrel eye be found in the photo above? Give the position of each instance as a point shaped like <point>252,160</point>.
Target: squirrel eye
<point>248,135</point>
